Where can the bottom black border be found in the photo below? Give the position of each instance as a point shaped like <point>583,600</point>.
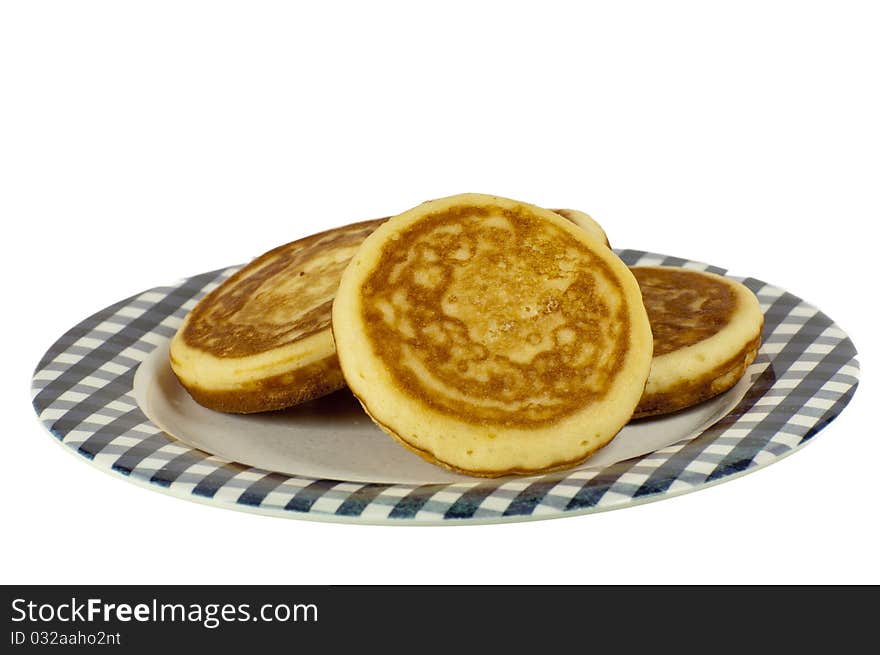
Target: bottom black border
<point>411,618</point>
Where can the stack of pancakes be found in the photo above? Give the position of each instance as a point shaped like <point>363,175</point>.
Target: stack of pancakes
<point>488,335</point>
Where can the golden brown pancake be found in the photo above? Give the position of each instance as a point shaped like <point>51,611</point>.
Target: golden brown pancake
<point>586,222</point>
<point>491,336</point>
<point>707,330</point>
<point>261,340</point>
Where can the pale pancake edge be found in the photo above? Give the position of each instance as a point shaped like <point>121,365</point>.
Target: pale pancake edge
<point>586,222</point>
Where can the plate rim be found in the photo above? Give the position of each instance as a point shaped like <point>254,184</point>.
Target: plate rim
<point>73,347</point>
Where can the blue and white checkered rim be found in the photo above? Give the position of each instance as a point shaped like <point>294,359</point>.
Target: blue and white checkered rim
<point>804,375</point>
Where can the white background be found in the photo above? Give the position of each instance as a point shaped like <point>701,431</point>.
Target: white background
<point>144,142</point>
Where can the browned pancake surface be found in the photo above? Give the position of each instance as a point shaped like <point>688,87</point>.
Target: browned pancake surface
<point>683,308</point>
<point>542,353</point>
<point>276,299</point>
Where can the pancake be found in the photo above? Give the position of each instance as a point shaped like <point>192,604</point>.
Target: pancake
<point>707,330</point>
<point>586,222</point>
<point>261,340</point>
<point>491,336</point>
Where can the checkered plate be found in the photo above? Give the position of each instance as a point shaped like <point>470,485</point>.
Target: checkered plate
<point>802,378</point>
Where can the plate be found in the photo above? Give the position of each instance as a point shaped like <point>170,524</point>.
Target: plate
<point>106,392</point>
